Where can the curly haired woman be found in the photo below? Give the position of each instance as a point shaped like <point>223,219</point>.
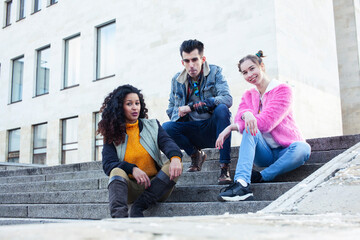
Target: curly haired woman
<point>270,136</point>
<point>131,154</point>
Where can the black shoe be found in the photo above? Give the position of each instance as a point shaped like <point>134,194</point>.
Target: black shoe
<point>236,192</point>
<point>256,177</point>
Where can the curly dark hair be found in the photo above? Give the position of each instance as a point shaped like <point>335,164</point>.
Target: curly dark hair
<point>113,123</point>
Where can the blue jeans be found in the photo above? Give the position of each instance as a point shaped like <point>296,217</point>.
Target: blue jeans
<point>254,150</point>
<point>194,135</point>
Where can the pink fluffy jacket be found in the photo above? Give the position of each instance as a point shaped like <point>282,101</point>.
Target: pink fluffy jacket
<point>276,116</point>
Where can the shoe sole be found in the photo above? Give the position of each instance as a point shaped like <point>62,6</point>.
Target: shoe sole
<point>236,198</point>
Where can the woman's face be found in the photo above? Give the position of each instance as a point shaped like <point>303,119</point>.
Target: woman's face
<point>131,107</point>
<point>252,73</point>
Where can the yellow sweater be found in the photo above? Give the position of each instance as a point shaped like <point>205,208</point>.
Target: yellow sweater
<point>136,153</point>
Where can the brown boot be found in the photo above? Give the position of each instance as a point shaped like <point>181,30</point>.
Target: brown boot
<point>224,174</point>
<point>197,160</point>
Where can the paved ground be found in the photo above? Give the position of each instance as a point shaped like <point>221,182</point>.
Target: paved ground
<point>245,226</point>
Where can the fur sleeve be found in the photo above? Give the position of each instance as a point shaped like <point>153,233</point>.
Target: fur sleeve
<point>278,106</point>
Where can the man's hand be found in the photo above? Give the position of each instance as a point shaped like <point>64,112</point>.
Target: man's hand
<point>175,168</point>
<point>183,110</point>
<point>141,177</point>
<point>200,107</point>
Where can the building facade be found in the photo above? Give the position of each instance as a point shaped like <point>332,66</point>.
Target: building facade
<point>60,58</point>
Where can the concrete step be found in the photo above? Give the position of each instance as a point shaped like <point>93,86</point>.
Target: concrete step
<point>205,208</point>
<point>50,186</point>
<point>317,144</point>
<point>211,177</point>
<point>187,179</point>
<point>263,191</point>
<point>99,211</point>
<point>86,173</point>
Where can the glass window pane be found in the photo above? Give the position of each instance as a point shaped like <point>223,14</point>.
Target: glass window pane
<point>70,127</point>
<point>14,140</point>
<point>69,157</point>
<point>39,158</point>
<point>72,61</point>
<point>43,71</point>
<point>22,9</point>
<point>37,5</point>
<point>53,1</point>
<point>40,132</point>
<point>105,51</point>
<point>17,79</point>
<point>97,120</point>
<point>8,13</point>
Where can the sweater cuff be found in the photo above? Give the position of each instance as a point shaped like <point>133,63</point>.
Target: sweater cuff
<point>174,157</point>
<point>174,154</point>
<point>128,167</point>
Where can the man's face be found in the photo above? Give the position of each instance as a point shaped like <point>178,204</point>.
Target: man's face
<point>193,62</point>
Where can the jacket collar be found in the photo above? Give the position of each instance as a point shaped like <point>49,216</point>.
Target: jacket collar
<point>272,84</point>
<point>183,75</point>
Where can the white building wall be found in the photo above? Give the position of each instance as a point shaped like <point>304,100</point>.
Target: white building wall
<point>148,36</point>
<point>307,60</point>
<point>347,18</point>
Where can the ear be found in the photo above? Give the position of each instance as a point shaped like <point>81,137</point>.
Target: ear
<point>203,59</point>
<point>182,62</point>
<point>262,66</point>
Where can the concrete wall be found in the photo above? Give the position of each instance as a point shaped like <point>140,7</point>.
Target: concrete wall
<point>307,61</point>
<point>148,36</point>
<point>347,18</point>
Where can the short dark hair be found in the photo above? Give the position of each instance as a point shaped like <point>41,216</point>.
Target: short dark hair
<point>113,123</point>
<point>189,45</point>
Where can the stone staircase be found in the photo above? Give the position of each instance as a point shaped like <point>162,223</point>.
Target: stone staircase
<point>79,191</point>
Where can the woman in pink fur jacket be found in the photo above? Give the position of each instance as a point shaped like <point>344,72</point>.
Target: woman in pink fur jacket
<point>270,139</point>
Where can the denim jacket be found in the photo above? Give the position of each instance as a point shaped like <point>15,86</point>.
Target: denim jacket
<point>213,88</point>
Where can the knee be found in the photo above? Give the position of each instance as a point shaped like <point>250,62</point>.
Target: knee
<point>119,172</point>
<point>302,150</point>
<point>222,111</point>
<point>169,127</point>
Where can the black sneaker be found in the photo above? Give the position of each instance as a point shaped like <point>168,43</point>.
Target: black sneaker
<point>256,177</point>
<point>236,192</point>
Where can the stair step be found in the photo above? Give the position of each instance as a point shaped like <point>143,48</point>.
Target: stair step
<point>205,208</point>
<point>50,186</point>
<point>99,211</point>
<point>263,191</point>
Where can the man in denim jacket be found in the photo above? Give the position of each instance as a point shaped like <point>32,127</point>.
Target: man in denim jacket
<point>199,108</point>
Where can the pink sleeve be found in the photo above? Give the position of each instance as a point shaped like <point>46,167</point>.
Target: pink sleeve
<point>277,108</point>
<point>245,106</point>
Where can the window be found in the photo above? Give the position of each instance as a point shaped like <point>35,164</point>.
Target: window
<point>8,13</point>
<point>53,2</point>
<point>42,71</point>
<point>14,146</point>
<point>17,79</point>
<point>105,51</point>
<point>72,61</point>
<point>37,6</point>
<point>98,139</point>
<point>69,140</point>
<point>22,9</point>
<point>39,143</point>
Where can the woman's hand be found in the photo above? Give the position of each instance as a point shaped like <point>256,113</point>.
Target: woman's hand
<point>250,123</point>
<point>224,135</point>
<point>175,168</point>
<point>141,177</point>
